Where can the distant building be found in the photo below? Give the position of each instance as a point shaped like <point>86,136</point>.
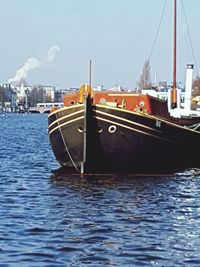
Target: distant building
<point>98,88</point>
<point>49,93</point>
<point>116,88</point>
<point>9,98</point>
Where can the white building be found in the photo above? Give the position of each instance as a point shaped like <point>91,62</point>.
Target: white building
<point>50,92</point>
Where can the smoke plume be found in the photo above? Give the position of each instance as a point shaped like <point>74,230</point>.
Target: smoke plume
<point>34,63</point>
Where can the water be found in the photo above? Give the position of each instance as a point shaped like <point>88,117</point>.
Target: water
<point>52,219</point>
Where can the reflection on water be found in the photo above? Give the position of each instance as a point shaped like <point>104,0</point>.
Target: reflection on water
<point>64,175</point>
<point>55,218</point>
<point>146,220</point>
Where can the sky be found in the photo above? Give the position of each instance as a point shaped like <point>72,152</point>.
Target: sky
<point>60,37</point>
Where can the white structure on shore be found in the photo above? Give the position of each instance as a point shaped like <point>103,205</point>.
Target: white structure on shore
<point>184,97</point>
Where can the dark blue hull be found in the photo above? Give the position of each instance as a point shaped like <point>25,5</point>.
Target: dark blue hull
<point>112,140</point>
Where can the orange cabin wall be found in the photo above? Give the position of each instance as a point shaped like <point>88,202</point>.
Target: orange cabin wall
<point>132,102</point>
<point>71,99</point>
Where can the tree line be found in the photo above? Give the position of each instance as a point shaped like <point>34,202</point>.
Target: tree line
<point>36,95</point>
<point>145,80</point>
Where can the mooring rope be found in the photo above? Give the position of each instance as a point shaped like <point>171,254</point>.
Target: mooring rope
<point>66,148</point>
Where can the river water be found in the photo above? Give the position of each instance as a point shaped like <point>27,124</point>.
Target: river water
<point>50,218</point>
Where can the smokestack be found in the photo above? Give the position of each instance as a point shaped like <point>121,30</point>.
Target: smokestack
<point>188,86</point>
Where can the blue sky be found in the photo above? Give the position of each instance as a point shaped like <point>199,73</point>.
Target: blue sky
<point>117,35</point>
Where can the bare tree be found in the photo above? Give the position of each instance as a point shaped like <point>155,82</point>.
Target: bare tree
<point>36,95</point>
<point>145,77</point>
<point>2,95</point>
<point>196,87</point>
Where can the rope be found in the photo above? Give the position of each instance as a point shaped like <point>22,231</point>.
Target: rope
<point>154,42</point>
<point>188,32</point>
<point>66,148</point>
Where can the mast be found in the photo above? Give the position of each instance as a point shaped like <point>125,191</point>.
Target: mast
<point>87,96</point>
<point>174,90</point>
<point>90,72</point>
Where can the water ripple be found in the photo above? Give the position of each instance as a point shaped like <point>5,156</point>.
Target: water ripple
<point>53,218</point>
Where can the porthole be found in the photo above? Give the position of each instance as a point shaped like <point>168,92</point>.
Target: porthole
<point>102,101</point>
<point>80,129</point>
<point>72,102</point>
<point>141,104</point>
<point>99,130</point>
<point>112,128</point>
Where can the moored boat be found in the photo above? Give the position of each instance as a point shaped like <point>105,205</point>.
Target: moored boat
<point>113,132</point>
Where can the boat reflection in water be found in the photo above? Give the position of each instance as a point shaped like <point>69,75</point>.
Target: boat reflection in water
<point>65,177</point>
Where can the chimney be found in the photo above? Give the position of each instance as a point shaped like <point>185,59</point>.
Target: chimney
<point>188,86</point>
